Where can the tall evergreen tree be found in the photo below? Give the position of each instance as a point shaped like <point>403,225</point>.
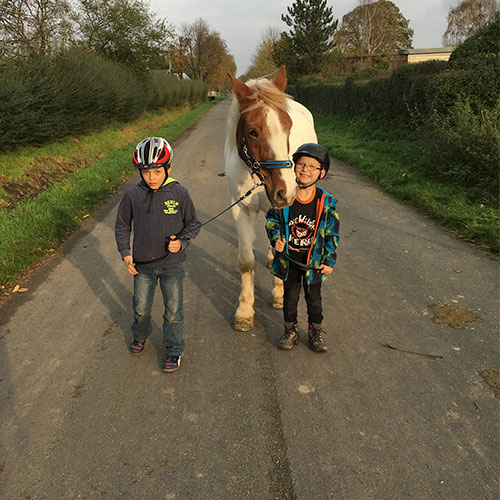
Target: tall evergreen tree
<point>310,38</point>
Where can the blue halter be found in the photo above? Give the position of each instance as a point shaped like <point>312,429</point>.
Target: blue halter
<point>254,164</point>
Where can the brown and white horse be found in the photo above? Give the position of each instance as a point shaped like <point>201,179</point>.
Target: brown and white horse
<point>264,128</point>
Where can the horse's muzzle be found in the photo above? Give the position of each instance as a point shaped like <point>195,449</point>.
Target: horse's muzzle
<point>280,198</point>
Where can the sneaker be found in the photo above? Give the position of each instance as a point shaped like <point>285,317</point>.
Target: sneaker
<point>171,363</point>
<point>136,347</point>
<point>316,339</point>
<point>290,338</point>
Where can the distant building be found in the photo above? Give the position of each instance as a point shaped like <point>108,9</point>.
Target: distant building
<point>421,55</point>
<point>409,56</point>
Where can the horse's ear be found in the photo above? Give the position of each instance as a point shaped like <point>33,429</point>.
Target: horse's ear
<point>241,90</point>
<point>280,80</point>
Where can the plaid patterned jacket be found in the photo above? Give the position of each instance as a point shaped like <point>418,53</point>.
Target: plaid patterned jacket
<point>325,240</point>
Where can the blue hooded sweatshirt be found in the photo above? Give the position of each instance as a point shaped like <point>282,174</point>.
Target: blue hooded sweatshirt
<point>154,216</point>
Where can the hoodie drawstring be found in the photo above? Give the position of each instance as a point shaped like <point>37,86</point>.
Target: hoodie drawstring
<point>149,199</point>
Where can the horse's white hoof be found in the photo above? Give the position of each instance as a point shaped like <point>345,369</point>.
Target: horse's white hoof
<point>243,325</point>
<point>277,305</point>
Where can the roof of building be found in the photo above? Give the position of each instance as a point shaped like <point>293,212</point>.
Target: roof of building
<point>427,51</point>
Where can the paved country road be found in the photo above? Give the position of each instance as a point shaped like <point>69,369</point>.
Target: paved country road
<point>82,419</point>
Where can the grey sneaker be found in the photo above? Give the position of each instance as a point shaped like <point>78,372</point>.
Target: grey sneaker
<point>315,333</point>
<point>290,338</point>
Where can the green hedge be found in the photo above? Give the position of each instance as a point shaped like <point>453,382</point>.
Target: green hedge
<point>165,90</point>
<point>366,92</point>
<point>78,91</point>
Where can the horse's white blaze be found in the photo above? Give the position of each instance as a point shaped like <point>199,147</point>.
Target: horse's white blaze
<point>278,143</point>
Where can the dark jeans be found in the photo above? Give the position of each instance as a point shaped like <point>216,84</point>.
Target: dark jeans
<point>292,285</point>
<point>171,284</point>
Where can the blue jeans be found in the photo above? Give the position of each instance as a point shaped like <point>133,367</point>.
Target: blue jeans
<point>171,284</point>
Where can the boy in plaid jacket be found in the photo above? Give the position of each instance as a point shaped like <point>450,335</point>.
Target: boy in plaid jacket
<point>305,237</point>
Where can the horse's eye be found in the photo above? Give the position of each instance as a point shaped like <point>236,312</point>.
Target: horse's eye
<point>253,133</point>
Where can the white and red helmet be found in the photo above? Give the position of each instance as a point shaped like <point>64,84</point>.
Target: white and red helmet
<point>153,152</point>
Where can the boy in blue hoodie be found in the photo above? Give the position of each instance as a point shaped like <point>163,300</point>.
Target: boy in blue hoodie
<point>305,237</point>
<point>157,208</point>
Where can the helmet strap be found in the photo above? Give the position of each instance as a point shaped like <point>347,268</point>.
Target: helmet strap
<point>305,186</point>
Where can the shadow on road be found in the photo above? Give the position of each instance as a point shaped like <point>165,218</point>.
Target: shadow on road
<point>104,282</point>
<point>217,275</point>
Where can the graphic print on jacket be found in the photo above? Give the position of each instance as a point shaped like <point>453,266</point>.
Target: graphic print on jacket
<point>302,227</point>
<point>301,233</point>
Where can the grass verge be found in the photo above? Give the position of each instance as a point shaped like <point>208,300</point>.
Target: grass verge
<point>394,159</point>
<point>36,226</point>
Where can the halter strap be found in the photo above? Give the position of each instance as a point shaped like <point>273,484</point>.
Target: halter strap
<point>254,164</point>
<point>277,164</point>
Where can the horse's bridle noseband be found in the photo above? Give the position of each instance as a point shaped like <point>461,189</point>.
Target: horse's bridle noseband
<point>255,165</point>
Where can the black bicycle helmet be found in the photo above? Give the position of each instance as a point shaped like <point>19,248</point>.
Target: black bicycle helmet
<point>313,150</point>
<point>152,152</point>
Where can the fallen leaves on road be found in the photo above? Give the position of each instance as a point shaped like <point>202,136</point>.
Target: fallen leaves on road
<point>453,316</point>
<point>492,378</point>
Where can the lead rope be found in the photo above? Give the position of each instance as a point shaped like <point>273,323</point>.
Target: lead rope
<point>248,193</point>
<point>200,225</point>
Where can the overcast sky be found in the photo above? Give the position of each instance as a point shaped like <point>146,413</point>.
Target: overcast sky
<point>242,22</point>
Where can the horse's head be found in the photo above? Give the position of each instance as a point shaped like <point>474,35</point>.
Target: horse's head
<point>262,135</point>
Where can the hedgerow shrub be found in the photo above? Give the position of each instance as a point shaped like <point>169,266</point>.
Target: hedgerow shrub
<point>368,91</point>
<point>78,91</point>
<point>462,131</point>
<point>95,91</point>
<point>465,146</point>
<point>167,90</point>
<point>480,50</point>
<point>197,91</point>
<point>29,103</point>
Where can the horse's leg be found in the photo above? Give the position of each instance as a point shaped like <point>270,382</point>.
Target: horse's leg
<point>277,302</point>
<point>270,256</point>
<point>277,294</point>
<point>245,223</point>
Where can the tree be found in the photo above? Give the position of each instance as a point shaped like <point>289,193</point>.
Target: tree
<point>177,55</point>
<point>197,35</point>
<point>374,28</point>
<point>304,49</point>
<point>480,53</point>
<point>33,27</point>
<point>214,61</point>
<point>204,54</point>
<point>466,18</point>
<point>124,31</point>
<point>262,61</point>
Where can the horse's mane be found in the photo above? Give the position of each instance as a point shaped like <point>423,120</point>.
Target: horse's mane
<point>265,93</point>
